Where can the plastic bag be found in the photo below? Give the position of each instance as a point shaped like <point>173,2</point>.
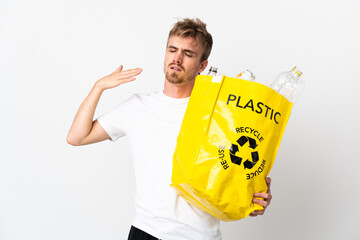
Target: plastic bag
<point>227,144</point>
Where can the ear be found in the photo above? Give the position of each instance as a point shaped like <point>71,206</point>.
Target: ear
<point>203,65</point>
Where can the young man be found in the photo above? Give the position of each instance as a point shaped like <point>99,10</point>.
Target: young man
<point>152,122</point>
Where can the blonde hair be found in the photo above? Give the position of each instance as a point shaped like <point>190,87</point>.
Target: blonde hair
<point>194,28</point>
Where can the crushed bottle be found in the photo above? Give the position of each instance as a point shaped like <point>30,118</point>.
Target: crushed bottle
<point>246,75</point>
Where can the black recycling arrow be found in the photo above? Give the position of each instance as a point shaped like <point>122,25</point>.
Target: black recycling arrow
<point>234,148</point>
<point>235,159</point>
<point>242,140</point>
<point>255,158</point>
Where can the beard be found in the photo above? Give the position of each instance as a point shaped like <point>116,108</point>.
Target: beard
<point>173,77</point>
<point>179,78</point>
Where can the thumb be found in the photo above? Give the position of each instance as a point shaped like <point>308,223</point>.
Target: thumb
<point>268,181</point>
<point>119,69</point>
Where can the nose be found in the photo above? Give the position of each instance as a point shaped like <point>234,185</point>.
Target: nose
<point>178,58</point>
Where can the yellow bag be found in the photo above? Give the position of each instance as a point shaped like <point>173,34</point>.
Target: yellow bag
<point>227,144</point>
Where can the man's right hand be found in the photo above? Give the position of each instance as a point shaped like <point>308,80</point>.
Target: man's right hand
<point>117,78</point>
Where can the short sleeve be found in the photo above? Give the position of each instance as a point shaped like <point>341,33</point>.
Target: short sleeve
<point>115,122</point>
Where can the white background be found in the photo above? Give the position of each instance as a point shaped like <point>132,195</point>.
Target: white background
<point>52,52</point>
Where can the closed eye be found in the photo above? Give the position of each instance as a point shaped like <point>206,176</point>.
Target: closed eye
<point>189,53</point>
<point>172,49</point>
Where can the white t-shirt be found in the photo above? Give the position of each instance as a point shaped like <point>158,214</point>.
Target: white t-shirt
<point>152,122</point>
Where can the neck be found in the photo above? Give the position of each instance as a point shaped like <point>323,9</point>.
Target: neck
<point>178,90</point>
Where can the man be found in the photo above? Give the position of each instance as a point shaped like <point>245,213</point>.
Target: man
<point>152,122</point>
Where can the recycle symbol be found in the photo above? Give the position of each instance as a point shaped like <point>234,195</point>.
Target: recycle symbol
<point>235,148</point>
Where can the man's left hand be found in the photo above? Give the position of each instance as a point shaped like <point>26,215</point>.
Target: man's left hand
<point>265,203</point>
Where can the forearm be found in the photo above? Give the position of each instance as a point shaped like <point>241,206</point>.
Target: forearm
<point>83,121</point>
<point>83,129</point>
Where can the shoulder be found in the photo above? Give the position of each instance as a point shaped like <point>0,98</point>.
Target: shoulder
<point>139,99</point>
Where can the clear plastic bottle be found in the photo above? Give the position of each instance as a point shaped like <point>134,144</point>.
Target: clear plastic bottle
<point>289,84</point>
<point>212,71</point>
<point>246,75</point>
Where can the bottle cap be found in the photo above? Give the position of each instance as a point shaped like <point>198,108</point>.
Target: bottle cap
<point>298,71</point>
<point>214,69</point>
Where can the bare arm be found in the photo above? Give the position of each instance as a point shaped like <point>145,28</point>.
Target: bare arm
<point>84,130</point>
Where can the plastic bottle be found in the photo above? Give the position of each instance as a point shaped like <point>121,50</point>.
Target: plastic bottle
<point>246,75</point>
<point>212,71</point>
<point>289,84</point>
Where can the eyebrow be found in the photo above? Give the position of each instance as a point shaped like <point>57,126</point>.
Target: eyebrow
<point>185,50</point>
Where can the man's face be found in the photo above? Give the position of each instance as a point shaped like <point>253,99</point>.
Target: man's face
<point>183,60</point>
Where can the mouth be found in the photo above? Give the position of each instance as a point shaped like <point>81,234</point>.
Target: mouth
<point>176,68</point>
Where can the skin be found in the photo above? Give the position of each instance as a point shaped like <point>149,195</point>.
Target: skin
<point>83,129</point>
<point>265,201</point>
<point>182,64</point>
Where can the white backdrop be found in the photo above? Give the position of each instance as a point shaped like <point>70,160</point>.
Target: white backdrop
<point>52,52</point>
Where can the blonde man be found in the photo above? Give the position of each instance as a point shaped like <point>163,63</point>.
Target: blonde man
<point>152,121</point>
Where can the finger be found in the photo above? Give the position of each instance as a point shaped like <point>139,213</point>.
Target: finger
<point>132,70</point>
<point>253,214</point>
<point>256,213</point>
<point>263,203</point>
<point>129,73</point>
<point>262,195</point>
<point>119,68</point>
<point>268,182</point>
